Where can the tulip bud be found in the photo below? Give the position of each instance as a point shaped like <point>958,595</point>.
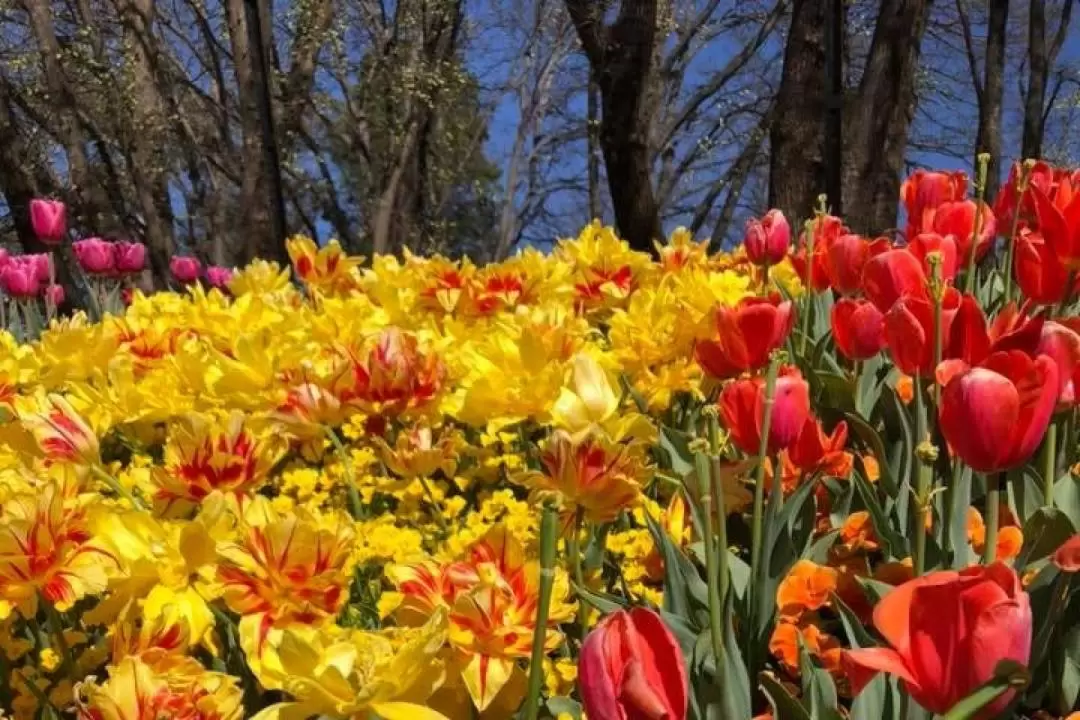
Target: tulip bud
<point>49,220</point>
<point>185,269</point>
<point>767,240</point>
<point>54,295</point>
<point>129,257</point>
<point>219,277</point>
<point>631,666</point>
<point>95,256</point>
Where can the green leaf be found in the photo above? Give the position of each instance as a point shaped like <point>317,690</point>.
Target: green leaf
<point>818,551</point>
<point>1067,497</point>
<point>873,703</point>
<point>559,705</point>
<point>784,706</point>
<point>872,439</point>
<point>818,688</point>
<point>1044,532</point>
<point>894,544</point>
<point>956,543</point>
<point>874,588</point>
<point>682,581</point>
<point>676,445</point>
<point>857,635</point>
<point>737,702</point>
<point>600,601</point>
<point>1069,681</point>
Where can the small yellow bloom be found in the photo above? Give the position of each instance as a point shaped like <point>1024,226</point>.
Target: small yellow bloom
<point>48,659</point>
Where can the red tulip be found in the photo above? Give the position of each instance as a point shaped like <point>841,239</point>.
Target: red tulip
<point>1062,343</point>
<point>632,668</point>
<point>924,191</point>
<point>948,631</point>
<point>130,257</point>
<point>892,275</point>
<point>19,278</point>
<point>219,277</point>
<point>816,452</point>
<point>1059,220</point>
<point>945,245</point>
<point>970,340</point>
<point>767,240</point>
<point>742,409</point>
<point>826,230</point>
<point>1067,557</point>
<point>909,330</point>
<point>185,269</point>
<point>54,295</point>
<point>846,256</point>
<point>858,328</point>
<point>49,220</point>
<point>95,256</point>
<point>994,415</point>
<point>1039,272</point>
<point>745,335</point>
<point>958,219</point>
<point>1041,175</point>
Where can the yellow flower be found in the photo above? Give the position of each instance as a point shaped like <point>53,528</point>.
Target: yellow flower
<point>591,404</point>
<point>48,659</point>
<point>62,435</point>
<point>349,673</point>
<point>327,270</point>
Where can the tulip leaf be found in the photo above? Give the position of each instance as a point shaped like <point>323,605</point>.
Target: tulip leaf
<point>818,551</point>
<point>1069,681</point>
<point>1044,532</point>
<point>737,701</point>
<point>857,635</point>
<point>682,581</point>
<point>874,701</point>
<point>872,439</point>
<point>676,445</point>
<point>600,601</point>
<point>895,544</point>
<point>956,543</point>
<point>874,588</point>
<point>563,705</point>
<point>818,688</point>
<point>784,706</point>
<point>1067,497</point>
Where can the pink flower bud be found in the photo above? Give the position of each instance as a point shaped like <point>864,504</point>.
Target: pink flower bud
<point>219,277</point>
<point>185,269</point>
<point>49,220</point>
<point>129,257</point>
<point>95,256</point>
<point>19,278</point>
<point>767,240</point>
<point>54,294</point>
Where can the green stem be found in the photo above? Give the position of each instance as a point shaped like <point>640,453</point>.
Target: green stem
<point>757,526</point>
<point>56,624</point>
<point>947,511</point>
<point>356,508</point>
<point>116,487</point>
<point>1010,243</point>
<point>983,164</point>
<point>808,288</point>
<point>712,570</point>
<point>1049,464</point>
<point>1069,438</point>
<point>549,531</point>
<point>716,482</point>
<point>994,482</point>
<point>922,482</point>
<point>573,551</point>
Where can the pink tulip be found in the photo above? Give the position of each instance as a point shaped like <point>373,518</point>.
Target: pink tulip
<point>185,269</point>
<point>54,294</point>
<point>19,278</point>
<point>767,240</point>
<point>95,256</point>
<point>41,264</point>
<point>219,277</point>
<point>49,220</point>
<point>5,258</point>
<point>129,257</point>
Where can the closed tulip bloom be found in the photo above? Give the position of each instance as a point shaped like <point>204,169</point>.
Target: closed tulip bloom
<point>846,256</point>
<point>185,269</point>
<point>19,279</point>
<point>892,275</point>
<point>219,277</point>
<point>909,331</point>
<point>858,328</point>
<point>744,337</point>
<point>767,240</point>
<point>49,220</point>
<point>632,668</point>
<point>1038,270</point>
<point>95,256</point>
<point>958,219</point>
<point>42,264</point>
<point>994,415</point>
<point>948,631</point>
<point>742,410</point>
<point>129,257</point>
<point>1008,202</point>
<point>54,294</point>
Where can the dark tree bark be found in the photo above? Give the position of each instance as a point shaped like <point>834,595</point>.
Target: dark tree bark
<point>797,134</point>
<point>988,139</point>
<point>1040,59</point>
<point>878,118</point>
<point>621,57</point>
<point>593,134</point>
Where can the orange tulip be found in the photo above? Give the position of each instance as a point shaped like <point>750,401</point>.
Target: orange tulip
<point>745,335</point>
<point>742,405</point>
<point>948,631</point>
<point>995,415</point>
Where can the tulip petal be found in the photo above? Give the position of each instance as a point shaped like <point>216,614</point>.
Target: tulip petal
<point>892,275</point>
<point>979,413</point>
<point>660,648</point>
<point>863,664</point>
<point>594,681</point>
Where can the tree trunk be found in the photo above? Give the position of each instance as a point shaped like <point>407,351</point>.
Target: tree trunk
<point>988,139</point>
<point>797,135</point>
<point>592,130</point>
<point>879,118</point>
<point>1040,59</point>
<point>621,56</point>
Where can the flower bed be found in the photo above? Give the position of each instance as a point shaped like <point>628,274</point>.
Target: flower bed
<point>591,483</point>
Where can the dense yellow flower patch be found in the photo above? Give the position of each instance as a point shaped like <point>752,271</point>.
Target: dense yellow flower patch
<point>320,499</point>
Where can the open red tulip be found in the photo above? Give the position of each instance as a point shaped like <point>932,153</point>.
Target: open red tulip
<point>1059,220</point>
<point>948,631</point>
